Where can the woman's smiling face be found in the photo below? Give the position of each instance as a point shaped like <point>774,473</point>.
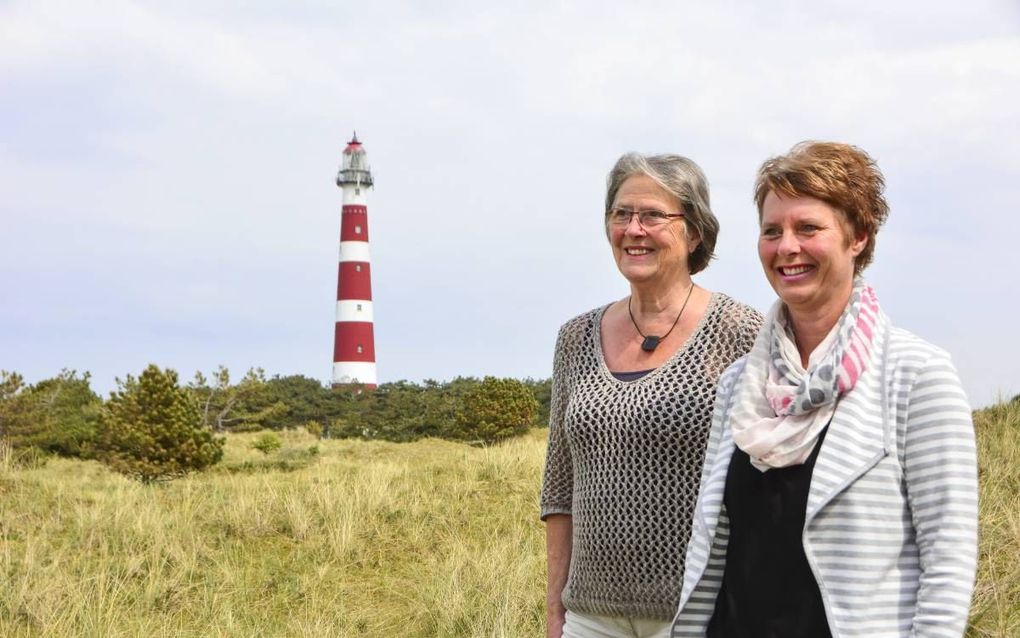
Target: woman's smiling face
<point>807,254</point>
<point>655,254</point>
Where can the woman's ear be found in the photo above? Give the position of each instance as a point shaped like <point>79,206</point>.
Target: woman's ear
<point>858,244</point>
<point>693,239</point>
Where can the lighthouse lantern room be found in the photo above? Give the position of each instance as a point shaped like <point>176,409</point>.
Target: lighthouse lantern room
<point>354,340</point>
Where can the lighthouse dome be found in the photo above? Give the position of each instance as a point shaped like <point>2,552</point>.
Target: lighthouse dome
<point>354,167</point>
<point>354,145</point>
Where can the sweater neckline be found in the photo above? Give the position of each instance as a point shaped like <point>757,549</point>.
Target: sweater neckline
<point>713,301</point>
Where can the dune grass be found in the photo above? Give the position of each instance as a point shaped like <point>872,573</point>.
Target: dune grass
<point>996,607</point>
<point>425,539</point>
<point>343,538</point>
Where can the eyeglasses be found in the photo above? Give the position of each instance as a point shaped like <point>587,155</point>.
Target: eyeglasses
<point>649,218</point>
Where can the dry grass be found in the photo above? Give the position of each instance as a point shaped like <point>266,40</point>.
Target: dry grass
<point>424,539</point>
<point>996,608</point>
<point>429,539</point>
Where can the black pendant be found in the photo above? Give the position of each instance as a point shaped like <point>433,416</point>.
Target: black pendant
<point>650,343</point>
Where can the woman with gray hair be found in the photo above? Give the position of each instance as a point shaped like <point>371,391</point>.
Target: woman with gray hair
<point>633,388</point>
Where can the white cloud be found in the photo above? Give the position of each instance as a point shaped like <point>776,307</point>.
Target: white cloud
<point>167,167</point>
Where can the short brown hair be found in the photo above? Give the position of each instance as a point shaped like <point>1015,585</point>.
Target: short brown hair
<point>841,175</point>
<point>684,180</point>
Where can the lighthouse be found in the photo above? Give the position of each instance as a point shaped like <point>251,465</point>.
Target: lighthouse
<point>354,340</point>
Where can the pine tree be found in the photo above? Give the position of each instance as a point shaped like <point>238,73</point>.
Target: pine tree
<point>495,409</point>
<point>242,407</point>
<point>152,429</point>
<point>20,426</point>
<point>58,415</point>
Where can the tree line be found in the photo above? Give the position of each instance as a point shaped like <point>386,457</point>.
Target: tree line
<point>153,426</point>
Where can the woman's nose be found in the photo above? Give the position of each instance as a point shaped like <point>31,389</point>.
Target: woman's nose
<point>634,226</point>
<point>788,244</point>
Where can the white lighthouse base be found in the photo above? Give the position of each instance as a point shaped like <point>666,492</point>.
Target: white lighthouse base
<point>345,372</point>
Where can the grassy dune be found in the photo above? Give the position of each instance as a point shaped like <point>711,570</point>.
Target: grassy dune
<point>378,539</point>
<point>996,608</point>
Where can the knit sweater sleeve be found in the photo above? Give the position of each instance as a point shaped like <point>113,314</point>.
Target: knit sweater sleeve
<point>558,482</point>
<point>749,324</point>
<point>940,472</point>
<point>743,323</point>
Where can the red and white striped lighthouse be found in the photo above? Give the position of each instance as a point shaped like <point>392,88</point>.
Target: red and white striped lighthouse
<point>354,340</point>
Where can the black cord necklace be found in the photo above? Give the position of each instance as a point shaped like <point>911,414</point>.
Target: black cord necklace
<point>651,342</point>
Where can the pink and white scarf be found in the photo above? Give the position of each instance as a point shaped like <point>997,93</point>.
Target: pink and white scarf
<point>779,408</point>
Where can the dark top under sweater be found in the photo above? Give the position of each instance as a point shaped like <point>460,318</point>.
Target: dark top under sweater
<point>768,589</point>
<point>630,376</point>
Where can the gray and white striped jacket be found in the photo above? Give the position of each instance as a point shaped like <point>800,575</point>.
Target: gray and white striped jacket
<point>891,525</point>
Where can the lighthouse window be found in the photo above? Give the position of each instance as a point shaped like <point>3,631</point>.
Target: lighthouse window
<point>357,267</point>
<point>360,349</point>
<point>357,230</point>
<point>359,307</point>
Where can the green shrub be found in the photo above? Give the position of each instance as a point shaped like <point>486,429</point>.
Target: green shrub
<point>18,427</point>
<point>152,430</point>
<point>59,415</point>
<point>69,410</point>
<point>15,458</point>
<point>315,429</point>
<point>464,409</point>
<point>267,443</point>
<point>493,410</point>
<point>398,411</point>
<point>288,460</point>
<point>542,389</point>
<point>301,399</point>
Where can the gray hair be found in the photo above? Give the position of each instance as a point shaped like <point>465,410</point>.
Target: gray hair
<point>684,180</point>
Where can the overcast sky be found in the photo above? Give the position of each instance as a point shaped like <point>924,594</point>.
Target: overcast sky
<point>167,193</point>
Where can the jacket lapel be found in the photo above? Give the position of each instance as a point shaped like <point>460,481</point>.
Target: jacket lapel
<point>716,483</point>
<point>856,439</point>
<point>706,516</point>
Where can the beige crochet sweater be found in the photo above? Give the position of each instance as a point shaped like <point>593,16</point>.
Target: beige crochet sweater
<point>625,460</point>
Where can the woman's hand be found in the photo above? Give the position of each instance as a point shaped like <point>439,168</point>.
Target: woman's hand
<point>554,622</point>
<point>559,529</point>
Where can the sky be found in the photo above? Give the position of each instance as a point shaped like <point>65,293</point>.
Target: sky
<point>167,170</point>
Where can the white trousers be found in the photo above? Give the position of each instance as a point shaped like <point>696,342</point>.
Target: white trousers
<point>580,625</point>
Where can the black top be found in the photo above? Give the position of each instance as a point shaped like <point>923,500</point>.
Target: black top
<point>630,376</point>
<point>768,589</point>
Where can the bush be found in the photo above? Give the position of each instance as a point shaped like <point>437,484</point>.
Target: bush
<point>399,411</point>
<point>493,410</point>
<point>288,460</point>
<point>70,411</point>
<point>58,415</point>
<point>152,430</point>
<point>267,443</point>
<point>542,389</point>
<point>18,425</point>
<point>12,458</point>
<point>459,410</point>
<point>315,429</point>
<point>301,399</point>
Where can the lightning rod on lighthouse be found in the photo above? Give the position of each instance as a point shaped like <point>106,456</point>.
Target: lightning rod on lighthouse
<point>354,339</point>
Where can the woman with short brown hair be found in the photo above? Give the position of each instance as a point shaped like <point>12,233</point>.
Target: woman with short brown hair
<point>839,494</point>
